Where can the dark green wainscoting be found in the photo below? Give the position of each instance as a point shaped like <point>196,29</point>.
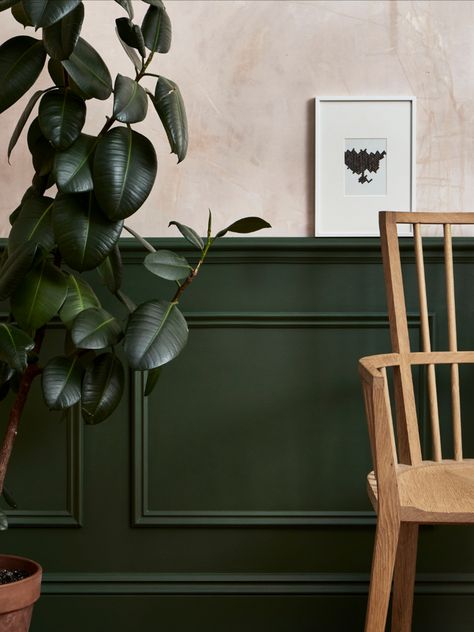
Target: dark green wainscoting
<point>234,497</point>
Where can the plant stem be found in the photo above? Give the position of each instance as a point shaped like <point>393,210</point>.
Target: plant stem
<point>193,273</point>
<point>16,410</point>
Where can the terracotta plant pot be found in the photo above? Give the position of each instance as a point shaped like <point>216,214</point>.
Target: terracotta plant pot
<point>17,599</point>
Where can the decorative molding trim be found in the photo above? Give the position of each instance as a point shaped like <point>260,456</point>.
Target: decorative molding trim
<point>143,516</point>
<point>71,516</point>
<point>240,584</point>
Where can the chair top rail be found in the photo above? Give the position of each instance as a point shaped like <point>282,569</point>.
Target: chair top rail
<point>372,364</point>
<point>429,217</point>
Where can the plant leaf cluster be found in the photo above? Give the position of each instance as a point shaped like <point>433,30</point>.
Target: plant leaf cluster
<point>84,187</point>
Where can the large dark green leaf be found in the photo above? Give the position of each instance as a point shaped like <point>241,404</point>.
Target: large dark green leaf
<point>131,35</point>
<point>245,225</point>
<point>61,38</point>
<point>127,5</point>
<point>15,268</point>
<point>89,72</point>
<point>130,101</point>
<point>20,14</point>
<point>95,328</point>
<point>33,224</point>
<point>156,333</point>
<point>46,12</point>
<point>131,53</point>
<point>39,297</point>
<point>110,270</point>
<point>57,73</point>
<point>61,117</point>
<point>23,120</point>
<point>124,172</point>
<point>72,167</point>
<point>102,388</point>
<point>41,151</point>
<point>6,4</point>
<point>169,104</point>
<point>167,265</point>
<point>21,61</point>
<point>152,380</point>
<point>156,29</point>
<point>189,234</point>
<point>14,346</point>
<point>80,296</point>
<point>61,382</point>
<point>84,235</point>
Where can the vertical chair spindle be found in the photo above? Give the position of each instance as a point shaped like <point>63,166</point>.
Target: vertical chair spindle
<point>426,344</point>
<point>452,341</point>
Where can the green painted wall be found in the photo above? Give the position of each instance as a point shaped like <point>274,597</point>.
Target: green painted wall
<point>234,497</point>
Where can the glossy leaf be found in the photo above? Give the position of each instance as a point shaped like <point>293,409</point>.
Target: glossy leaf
<point>73,167</point>
<point>95,328</point>
<point>33,224</point>
<point>20,15</point>
<point>61,382</point>
<point>124,171</point>
<point>156,29</point>
<point>131,35</point>
<point>41,151</point>
<point>152,380</point>
<point>102,388</point>
<point>156,333</point>
<point>84,235</point>
<point>43,13</point>
<point>39,297</point>
<point>23,120</point>
<point>6,4</point>
<point>80,296</point>
<point>6,372</point>
<point>189,234</point>
<point>130,100</point>
<point>127,5</point>
<point>21,61</point>
<point>57,73</point>
<point>110,270</point>
<point>61,38</point>
<point>245,225</point>
<point>88,71</point>
<point>167,265</point>
<point>131,53</point>
<point>61,117</point>
<point>169,104</point>
<point>15,269</point>
<point>14,346</point>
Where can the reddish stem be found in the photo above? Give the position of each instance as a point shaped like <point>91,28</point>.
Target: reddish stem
<point>31,371</point>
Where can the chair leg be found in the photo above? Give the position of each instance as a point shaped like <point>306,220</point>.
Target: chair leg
<point>404,578</point>
<point>383,563</point>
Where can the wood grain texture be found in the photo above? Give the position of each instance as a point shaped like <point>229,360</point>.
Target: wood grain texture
<point>404,489</point>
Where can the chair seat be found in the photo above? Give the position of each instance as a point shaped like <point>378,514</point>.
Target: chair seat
<point>433,491</point>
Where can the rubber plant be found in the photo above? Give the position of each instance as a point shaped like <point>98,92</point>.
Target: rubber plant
<point>69,220</point>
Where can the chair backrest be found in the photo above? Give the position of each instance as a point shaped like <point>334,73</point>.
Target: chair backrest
<point>409,449</point>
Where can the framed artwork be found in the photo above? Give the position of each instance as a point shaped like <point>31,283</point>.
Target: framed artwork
<point>365,163</point>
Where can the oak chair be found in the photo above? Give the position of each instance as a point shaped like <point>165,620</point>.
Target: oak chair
<point>405,489</point>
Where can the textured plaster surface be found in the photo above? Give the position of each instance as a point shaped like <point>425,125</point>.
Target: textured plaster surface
<point>249,71</point>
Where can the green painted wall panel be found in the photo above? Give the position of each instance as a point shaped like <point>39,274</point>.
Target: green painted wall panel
<point>247,464</point>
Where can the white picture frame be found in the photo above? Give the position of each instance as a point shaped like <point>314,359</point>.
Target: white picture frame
<point>366,133</point>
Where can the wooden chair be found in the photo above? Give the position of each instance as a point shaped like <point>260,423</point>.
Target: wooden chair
<point>404,489</point>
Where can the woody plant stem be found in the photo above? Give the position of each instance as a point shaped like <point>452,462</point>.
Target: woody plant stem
<point>16,410</point>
